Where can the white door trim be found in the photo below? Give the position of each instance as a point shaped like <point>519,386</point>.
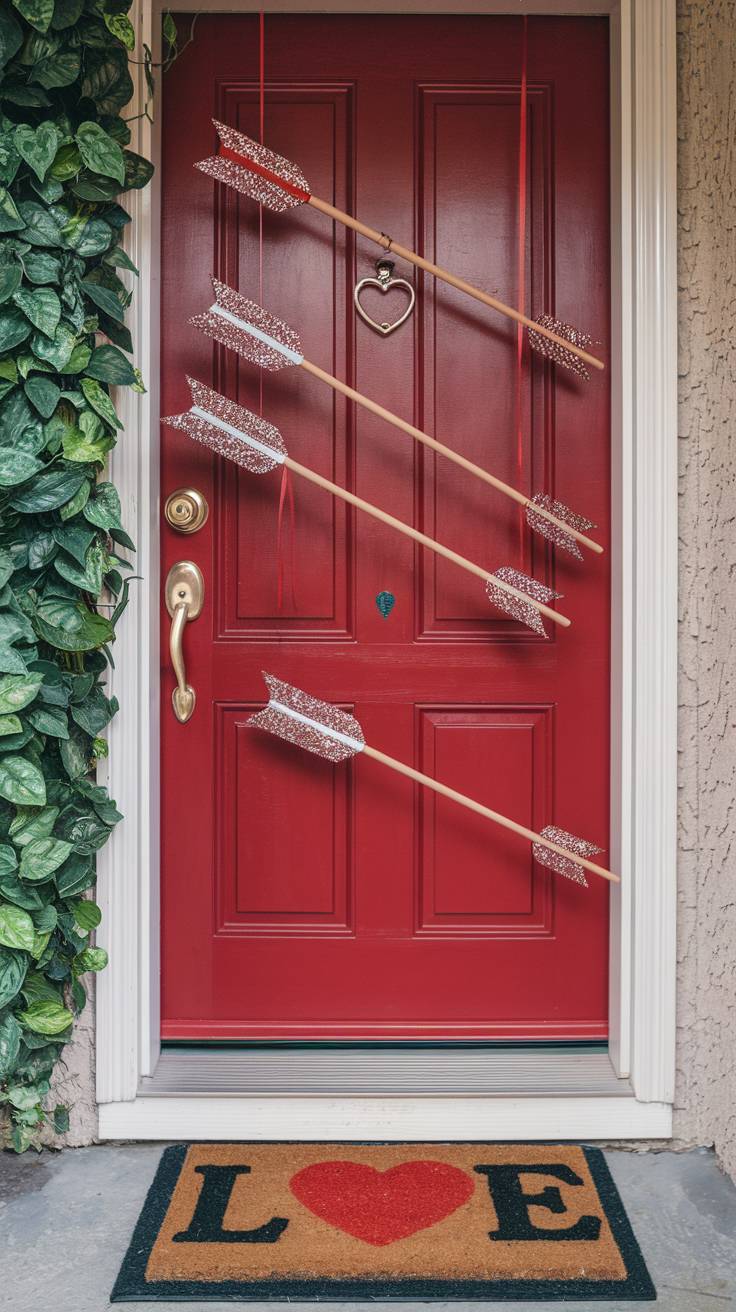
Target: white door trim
<point>644,650</point>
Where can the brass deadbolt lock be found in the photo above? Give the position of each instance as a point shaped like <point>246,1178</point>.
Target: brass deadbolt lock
<point>186,510</point>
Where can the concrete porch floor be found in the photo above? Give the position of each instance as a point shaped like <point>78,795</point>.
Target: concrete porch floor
<point>66,1219</point>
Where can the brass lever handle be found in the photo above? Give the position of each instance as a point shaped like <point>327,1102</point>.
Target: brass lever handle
<point>184,596</point>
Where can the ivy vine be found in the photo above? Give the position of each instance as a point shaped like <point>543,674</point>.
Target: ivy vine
<point>64,80</point>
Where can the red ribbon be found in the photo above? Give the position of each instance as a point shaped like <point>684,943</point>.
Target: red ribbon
<point>246,162</point>
<point>286,490</point>
<point>521,254</point>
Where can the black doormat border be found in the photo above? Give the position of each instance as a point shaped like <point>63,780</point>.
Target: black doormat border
<point>132,1286</point>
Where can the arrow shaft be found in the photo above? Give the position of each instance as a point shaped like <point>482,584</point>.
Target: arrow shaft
<point>388,244</point>
<point>423,539</point>
<point>495,816</point>
<point>419,436</point>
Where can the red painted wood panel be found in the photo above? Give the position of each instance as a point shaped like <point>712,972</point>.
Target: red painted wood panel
<point>303,900</point>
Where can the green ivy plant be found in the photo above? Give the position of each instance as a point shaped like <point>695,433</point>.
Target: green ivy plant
<point>64,80</point>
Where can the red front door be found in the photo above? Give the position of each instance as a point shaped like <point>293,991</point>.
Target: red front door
<point>304,900</point>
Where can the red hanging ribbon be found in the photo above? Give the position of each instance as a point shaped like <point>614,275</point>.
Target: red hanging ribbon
<point>247,163</point>
<point>521,253</point>
<point>286,490</point>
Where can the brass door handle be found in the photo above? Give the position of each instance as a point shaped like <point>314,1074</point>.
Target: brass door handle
<point>184,595</point>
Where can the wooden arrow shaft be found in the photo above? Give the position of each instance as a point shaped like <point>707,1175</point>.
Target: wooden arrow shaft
<point>486,811</point>
<point>423,539</point>
<point>447,451</point>
<point>388,244</point>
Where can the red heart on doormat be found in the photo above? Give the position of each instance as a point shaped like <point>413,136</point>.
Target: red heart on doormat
<point>380,1207</point>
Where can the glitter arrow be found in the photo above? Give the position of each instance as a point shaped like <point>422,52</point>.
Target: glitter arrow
<point>252,442</point>
<point>245,327</point>
<point>272,180</point>
<point>325,730</point>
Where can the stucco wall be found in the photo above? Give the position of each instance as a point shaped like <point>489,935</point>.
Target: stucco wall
<point>706,1058</point>
<point>706,1048</point>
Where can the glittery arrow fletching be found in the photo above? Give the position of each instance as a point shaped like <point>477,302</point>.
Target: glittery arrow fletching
<point>245,327</point>
<point>230,430</point>
<point>516,607</point>
<point>555,533</point>
<point>553,351</point>
<point>255,171</point>
<point>564,865</point>
<point>317,726</point>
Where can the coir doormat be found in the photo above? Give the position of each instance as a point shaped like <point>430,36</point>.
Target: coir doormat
<point>383,1221</point>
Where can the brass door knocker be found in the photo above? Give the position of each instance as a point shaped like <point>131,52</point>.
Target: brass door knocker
<point>385,283</point>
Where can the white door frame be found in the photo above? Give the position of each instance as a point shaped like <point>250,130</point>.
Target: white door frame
<point>644,657</point>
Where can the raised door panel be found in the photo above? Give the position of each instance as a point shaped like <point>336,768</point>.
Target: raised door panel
<point>284,852</point>
<point>474,398</point>
<point>264,256</point>
<point>472,879</point>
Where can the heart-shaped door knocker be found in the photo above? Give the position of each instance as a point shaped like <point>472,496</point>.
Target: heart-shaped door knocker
<point>385,282</point>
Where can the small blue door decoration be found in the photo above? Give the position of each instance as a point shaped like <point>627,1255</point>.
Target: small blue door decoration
<point>385,602</point>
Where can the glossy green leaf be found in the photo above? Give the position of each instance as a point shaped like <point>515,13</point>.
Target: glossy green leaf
<point>6,566</point>
<point>75,753</point>
<point>57,350</point>
<point>75,877</point>
<point>67,163</point>
<point>49,720</point>
<point>121,28</point>
<point>8,859</point>
<point>103,298</point>
<point>11,36</point>
<point>13,967</point>
<point>107,80</point>
<point>46,1018</point>
<point>76,503</point>
<point>32,822</point>
<point>94,631</point>
<point>11,219</point>
<point>59,70</point>
<point>36,12</point>
<point>97,397</point>
<point>10,1037</point>
<point>138,171</point>
<point>17,691</point>
<point>37,146</point>
<point>40,267</point>
<point>16,928</point>
<point>21,781</point>
<point>10,280</point>
<point>41,857</point>
<point>103,509</point>
<point>109,365</point>
<point>100,153</point>
<point>16,466</point>
<point>93,959</point>
<point>41,228</point>
<point>47,491</point>
<point>43,394</point>
<point>87,236</point>
<point>87,915</point>
<point>41,306</point>
<point>14,328</point>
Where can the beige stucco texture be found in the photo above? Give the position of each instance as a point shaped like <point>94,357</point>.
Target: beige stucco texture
<point>706,1007</point>
<point>706,1012</point>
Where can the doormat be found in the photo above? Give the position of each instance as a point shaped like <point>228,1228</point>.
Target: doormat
<point>346,1221</point>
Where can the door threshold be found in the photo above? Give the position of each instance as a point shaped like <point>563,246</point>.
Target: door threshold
<point>204,1072</point>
